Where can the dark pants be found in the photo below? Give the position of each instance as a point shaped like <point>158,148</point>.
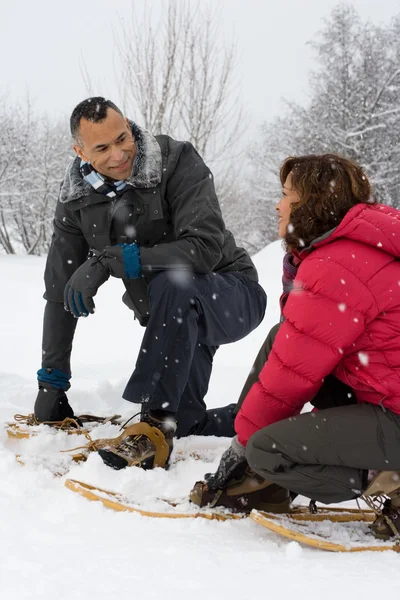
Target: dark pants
<point>325,455</point>
<point>189,319</point>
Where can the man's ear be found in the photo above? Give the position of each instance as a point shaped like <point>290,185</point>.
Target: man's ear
<point>80,152</point>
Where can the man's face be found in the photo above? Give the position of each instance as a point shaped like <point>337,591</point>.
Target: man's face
<point>108,145</point>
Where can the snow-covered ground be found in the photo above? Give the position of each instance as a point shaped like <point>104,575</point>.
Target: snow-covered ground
<point>55,544</point>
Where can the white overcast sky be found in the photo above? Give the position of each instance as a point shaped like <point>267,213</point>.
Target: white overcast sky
<point>42,43</point>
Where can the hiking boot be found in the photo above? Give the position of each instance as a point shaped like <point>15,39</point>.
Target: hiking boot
<point>147,444</point>
<point>250,492</point>
<point>387,523</point>
<point>52,405</point>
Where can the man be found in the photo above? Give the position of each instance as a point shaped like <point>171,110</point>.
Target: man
<point>144,209</point>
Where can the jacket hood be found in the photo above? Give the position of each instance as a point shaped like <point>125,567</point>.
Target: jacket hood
<point>376,225</point>
<point>146,168</point>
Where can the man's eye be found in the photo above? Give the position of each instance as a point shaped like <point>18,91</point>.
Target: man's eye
<point>121,139</point>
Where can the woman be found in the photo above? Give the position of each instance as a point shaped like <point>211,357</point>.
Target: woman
<point>338,346</point>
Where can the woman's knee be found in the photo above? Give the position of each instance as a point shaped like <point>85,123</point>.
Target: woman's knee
<point>258,451</point>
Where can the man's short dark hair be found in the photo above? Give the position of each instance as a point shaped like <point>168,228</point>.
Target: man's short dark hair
<point>92,109</point>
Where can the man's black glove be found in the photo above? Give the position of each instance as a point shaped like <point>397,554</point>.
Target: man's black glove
<point>83,285</point>
<point>52,404</point>
<point>232,465</point>
<point>122,261</point>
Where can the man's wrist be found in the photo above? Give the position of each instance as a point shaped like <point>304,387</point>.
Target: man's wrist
<point>54,377</point>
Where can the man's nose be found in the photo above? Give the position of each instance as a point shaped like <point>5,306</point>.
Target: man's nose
<point>117,154</point>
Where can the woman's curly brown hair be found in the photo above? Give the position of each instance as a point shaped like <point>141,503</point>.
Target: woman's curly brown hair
<point>328,186</point>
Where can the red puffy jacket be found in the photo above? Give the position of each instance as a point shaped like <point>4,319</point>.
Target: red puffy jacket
<point>342,317</point>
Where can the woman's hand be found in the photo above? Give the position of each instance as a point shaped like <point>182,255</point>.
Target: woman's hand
<point>232,464</point>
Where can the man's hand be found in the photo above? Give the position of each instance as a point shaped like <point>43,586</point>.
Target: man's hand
<point>233,463</point>
<point>83,285</point>
<point>122,260</point>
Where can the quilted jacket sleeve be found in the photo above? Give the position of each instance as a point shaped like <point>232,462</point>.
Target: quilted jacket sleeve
<point>324,314</point>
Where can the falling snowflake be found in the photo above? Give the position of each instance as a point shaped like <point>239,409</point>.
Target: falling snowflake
<point>363,358</point>
<point>342,307</point>
<point>130,231</point>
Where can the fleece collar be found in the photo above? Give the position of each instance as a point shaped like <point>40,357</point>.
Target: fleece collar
<point>146,168</point>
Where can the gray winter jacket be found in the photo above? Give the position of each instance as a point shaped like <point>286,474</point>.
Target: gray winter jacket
<point>170,209</point>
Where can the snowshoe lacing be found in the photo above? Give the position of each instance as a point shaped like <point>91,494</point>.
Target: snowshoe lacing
<point>136,432</point>
<point>32,421</point>
<point>378,503</point>
<point>94,445</point>
<point>73,426</point>
<point>67,423</point>
<point>375,503</point>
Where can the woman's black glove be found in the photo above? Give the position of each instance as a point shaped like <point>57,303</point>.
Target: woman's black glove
<point>232,465</point>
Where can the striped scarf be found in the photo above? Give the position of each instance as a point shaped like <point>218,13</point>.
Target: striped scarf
<point>99,182</point>
<point>290,266</point>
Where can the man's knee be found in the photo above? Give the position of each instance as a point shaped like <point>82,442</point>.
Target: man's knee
<point>178,283</point>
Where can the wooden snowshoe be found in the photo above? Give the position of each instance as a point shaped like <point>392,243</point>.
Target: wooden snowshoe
<point>26,426</point>
<point>119,502</point>
<point>332,529</point>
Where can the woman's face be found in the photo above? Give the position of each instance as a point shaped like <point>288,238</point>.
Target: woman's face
<point>289,197</point>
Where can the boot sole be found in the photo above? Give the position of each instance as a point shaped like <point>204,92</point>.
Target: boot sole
<point>113,460</point>
<point>118,462</point>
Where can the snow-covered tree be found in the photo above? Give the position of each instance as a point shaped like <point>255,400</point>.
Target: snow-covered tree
<point>353,109</point>
<point>33,156</point>
<point>179,77</point>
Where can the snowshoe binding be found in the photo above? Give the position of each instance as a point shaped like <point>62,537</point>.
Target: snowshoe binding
<point>244,495</point>
<point>146,444</point>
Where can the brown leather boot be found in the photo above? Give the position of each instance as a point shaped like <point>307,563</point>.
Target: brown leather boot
<point>387,523</point>
<point>251,492</point>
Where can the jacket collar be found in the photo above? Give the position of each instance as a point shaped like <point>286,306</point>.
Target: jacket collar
<point>146,168</point>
